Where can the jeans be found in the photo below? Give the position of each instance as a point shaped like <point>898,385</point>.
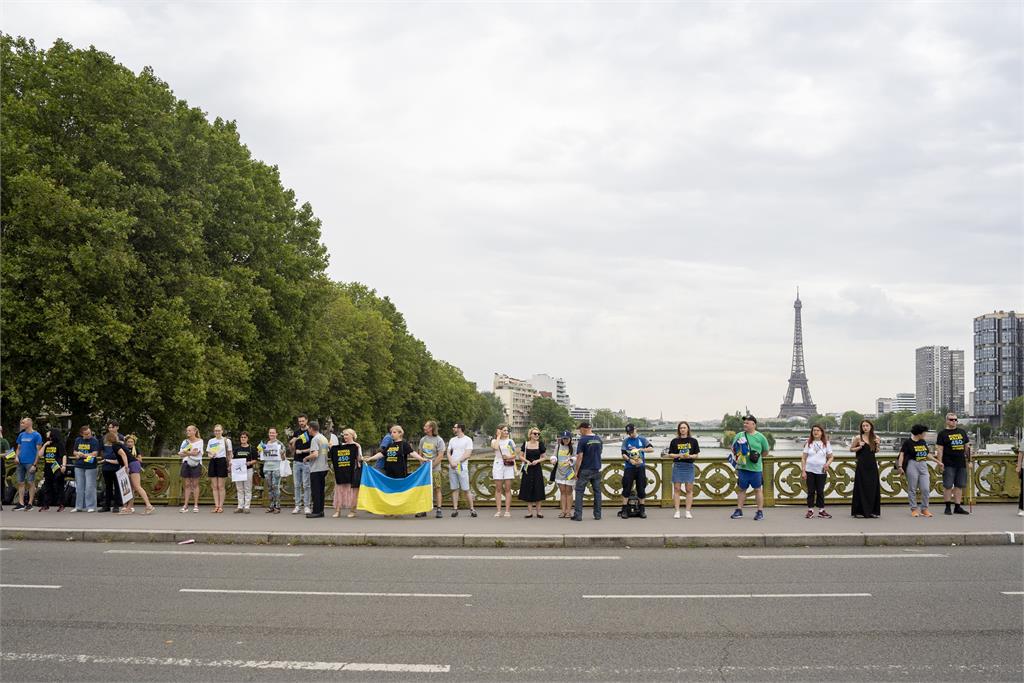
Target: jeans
<point>594,478</point>
<point>85,488</point>
<point>317,481</point>
<point>272,485</point>
<point>918,478</point>
<point>815,489</point>
<point>244,490</point>
<point>300,470</point>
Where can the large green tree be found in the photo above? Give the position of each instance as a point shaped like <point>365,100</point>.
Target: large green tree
<point>550,417</point>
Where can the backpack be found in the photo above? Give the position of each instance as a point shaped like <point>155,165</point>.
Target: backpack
<point>633,507</point>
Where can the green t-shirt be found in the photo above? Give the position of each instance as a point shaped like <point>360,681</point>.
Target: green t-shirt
<point>756,442</point>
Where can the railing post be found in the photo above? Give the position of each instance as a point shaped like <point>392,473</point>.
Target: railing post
<point>769,481</point>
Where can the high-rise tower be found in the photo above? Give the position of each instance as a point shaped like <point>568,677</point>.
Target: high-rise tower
<point>798,375</point>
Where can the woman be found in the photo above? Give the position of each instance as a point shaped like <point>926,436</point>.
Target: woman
<point>565,472</point>
<point>345,458</point>
<point>396,455</point>
<point>218,449</point>
<point>683,449</point>
<point>87,449</point>
<point>191,454</point>
<point>913,462</point>
<point>504,468</point>
<point>867,495</point>
<point>814,466</point>
<point>114,458</point>
<point>243,489</point>
<point>272,453</point>
<point>55,464</point>
<point>135,474</point>
<point>531,486</point>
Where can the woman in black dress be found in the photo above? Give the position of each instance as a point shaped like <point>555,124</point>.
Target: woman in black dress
<point>531,487</point>
<point>867,495</point>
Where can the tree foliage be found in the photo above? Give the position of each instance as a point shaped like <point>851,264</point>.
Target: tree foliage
<point>1013,415</point>
<point>605,418</point>
<point>550,417</point>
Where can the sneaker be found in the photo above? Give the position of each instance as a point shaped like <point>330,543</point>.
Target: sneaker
<point>455,513</point>
<point>270,510</point>
<point>296,510</point>
<point>960,511</point>
<point>926,513</point>
<point>676,515</point>
<point>810,513</point>
<point>239,511</point>
<point>576,519</point>
<point>948,511</point>
<point>19,506</point>
<point>823,514</point>
<point>689,515</point>
<point>437,513</point>
<point>74,510</point>
<point>759,516</point>
<point>91,510</point>
<point>28,507</point>
<point>246,510</point>
<point>1020,513</point>
<point>351,514</point>
<point>421,514</point>
<point>736,514</point>
<point>472,513</point>
<point>914,512</point>
<point>307,510</point>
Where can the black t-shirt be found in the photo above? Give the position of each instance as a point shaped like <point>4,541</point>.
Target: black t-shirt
<point>954,446</point>
<point>913,450</point>
<point>396,459</point>
<point>345,461</point>
<point>247,452</point>
<point>302,440</point>
<point>683,448</point>
<point>113,452</point>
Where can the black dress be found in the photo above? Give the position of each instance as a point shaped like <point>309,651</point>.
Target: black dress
<point>867,494</point>
<point>531,488</point>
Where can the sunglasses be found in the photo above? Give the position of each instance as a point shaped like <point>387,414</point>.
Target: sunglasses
<point>951,419</point>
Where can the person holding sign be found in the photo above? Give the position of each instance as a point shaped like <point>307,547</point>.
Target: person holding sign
<point>86,452</point>
<point>913,461</point>
<point>191,454</point>
<point>219,450</point>
<point>565,472</point>
<point>135,474</point>
<point>345,459</point>
<point>55,463</point>
<point>432,449</point>
<point>270,458</point>
<point>503,471</point>
<point>114,458</point>
<point>247,454</point>
<point>683,449</point>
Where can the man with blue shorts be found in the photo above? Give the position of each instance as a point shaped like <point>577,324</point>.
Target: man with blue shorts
<point>28,444</point>
<point>749,448</point>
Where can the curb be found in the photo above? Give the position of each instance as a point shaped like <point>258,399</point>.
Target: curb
<point>779,540</point>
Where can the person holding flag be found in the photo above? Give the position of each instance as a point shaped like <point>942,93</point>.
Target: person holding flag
<point>749,448</point>
<point>299,446</point>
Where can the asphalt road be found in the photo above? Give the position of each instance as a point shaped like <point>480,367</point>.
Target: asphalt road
<point>119,613</point>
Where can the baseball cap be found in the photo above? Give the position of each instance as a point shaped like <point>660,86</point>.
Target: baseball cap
<point>565,435</point>
<point>630,428</point>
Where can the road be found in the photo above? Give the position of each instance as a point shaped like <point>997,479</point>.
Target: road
<point>156,612</point>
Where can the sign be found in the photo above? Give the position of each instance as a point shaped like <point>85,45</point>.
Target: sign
<point>239,472</point>
<point>125,484</point>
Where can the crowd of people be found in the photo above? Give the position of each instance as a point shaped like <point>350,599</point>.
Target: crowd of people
<point>310,456</point>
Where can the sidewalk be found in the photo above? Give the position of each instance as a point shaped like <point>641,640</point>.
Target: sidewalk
<point>991,524</point>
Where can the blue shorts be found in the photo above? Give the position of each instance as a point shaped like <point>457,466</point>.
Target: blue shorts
<point>746,479</point>
<point>682,472</point>
<point>23,474</point>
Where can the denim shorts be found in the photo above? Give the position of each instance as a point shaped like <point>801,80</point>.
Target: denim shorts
<point>954,477</point>
<point>746,479</point>
<point>23,474</point>
<point>682,472</point>
<point>134,467</point>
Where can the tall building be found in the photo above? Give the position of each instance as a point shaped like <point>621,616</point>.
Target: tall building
<point>580,414</point>
<point>516,396</point>
<point>553,385</point>
<point>883,405</point>
<point>998,362</point>
<point>797,375</point>
<point>940,379</point>
<point>904,403</point>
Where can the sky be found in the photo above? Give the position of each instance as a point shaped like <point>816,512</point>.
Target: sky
<point>628,195</point>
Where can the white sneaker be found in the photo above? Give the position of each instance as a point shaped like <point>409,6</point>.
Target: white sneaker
<point>1020,513</point>
<point>91,510</point>
<point>73,510</point>
<point>689,515</point>
<point>676,515</point>
<point>296,510</point>
<point>307,511</point>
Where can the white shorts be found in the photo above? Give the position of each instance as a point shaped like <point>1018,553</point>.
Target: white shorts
<point>458,479</point>
<point>501,472</point>
<point>564,482</point>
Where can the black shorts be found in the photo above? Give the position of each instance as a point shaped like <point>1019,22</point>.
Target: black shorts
<point>191,471</point>
<point>218,467</point>
<point>631,475</point>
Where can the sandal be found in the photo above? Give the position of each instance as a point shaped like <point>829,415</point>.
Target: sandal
<point>149,510</point>
<point>184,509</point>
<point>126,511</point>
<point>195,509</point>
<point>529,515</point>
<point>540,516</point>
<point>498,513</point>
<point>507,514</point>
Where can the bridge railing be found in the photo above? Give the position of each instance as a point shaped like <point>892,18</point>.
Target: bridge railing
<point>993,477</point>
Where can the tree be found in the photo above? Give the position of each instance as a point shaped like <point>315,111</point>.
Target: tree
<point>1013,415</point>
<point>606,419</point>
<point>732,423</point>
<point>827,422</point>
<point>489,413</point>
<point>850,420</point>
<point>550,417</point>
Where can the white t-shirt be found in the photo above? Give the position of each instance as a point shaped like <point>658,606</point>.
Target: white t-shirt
<point>218,447</point>
<point>817,452</point>
<point>196,445</point>
<point>334,440</point>
<point>459,446</point>
<point>272,451</point>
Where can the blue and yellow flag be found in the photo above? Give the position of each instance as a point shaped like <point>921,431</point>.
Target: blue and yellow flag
<point>382,495</point>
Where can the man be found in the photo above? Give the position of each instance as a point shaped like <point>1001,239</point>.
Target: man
<point>432,448</point>
<point>953,447</point>
<point>588,470</point>
<point>115,427</point>
<point>29,444</point>
<point>750,448</point>
<point>299,446</point>
<point>460,448</point>
<point>634,452</point>
<point>319,447</point>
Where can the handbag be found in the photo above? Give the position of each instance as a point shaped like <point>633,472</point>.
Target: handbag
<point>286,468</point>
<point>507,462</point>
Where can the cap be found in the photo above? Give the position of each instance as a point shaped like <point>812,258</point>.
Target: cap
<point>751,418</point>
<point>630,428</point>
<point>565,435</point>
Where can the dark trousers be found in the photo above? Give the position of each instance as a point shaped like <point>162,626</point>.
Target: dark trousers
<point>317,481</point>
<point>112,497</point>
<point>53,486</point>
<point>637,475</point>
<point>593,477</point>
<point>815,489</point>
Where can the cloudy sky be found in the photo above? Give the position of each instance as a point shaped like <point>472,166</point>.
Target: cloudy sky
<point>628,195</point>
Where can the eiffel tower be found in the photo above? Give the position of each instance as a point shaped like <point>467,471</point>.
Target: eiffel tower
<point>797,376</point>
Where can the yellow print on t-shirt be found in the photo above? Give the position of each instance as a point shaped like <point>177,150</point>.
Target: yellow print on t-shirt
<point>392,455</point>
<point>920,452</point>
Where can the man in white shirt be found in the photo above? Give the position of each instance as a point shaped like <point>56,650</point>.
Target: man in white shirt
<point>460,449</point>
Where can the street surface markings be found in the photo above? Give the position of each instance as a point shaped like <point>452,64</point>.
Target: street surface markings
<point>226,663</point>
<point>1013,592</point>
<point>516,557</point>
<point>840,556</point>
<point>28,585</point>
<point>327,593</point>
<point>199,552</point>
<point>713,596</point>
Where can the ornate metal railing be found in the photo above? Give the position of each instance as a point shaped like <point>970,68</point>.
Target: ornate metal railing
<point>993,476</point>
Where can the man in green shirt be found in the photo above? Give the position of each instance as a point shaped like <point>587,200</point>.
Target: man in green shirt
<point>749,447</point>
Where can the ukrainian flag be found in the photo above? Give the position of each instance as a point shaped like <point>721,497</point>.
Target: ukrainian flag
<point>382,495</point>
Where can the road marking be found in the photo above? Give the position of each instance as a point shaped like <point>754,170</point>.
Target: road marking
<point>840,556</point>
<point>1012,539</point>
<point>327,593</point>
<point>227,663</point>
<point>199,552</point>
<point>1013,592</point>
<point>516,557</point>
<point>714,596</point>
<point>28,585</point>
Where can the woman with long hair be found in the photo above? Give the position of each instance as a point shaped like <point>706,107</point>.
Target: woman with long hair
<point>135,474</point>
<point>867,495</point>
<point>814,466</point>
<point>219,450</point>
<point>503,471</point>
<point>531,486</point>
<point>191,454</point>
<point>114,458</point>
<point>683,449</point>
<point>55,464</point>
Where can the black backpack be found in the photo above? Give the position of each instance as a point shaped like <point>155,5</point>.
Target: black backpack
<point>633,507</point>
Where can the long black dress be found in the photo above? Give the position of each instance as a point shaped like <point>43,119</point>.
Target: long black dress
<point>531,488</point>
<point>867,494</point>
